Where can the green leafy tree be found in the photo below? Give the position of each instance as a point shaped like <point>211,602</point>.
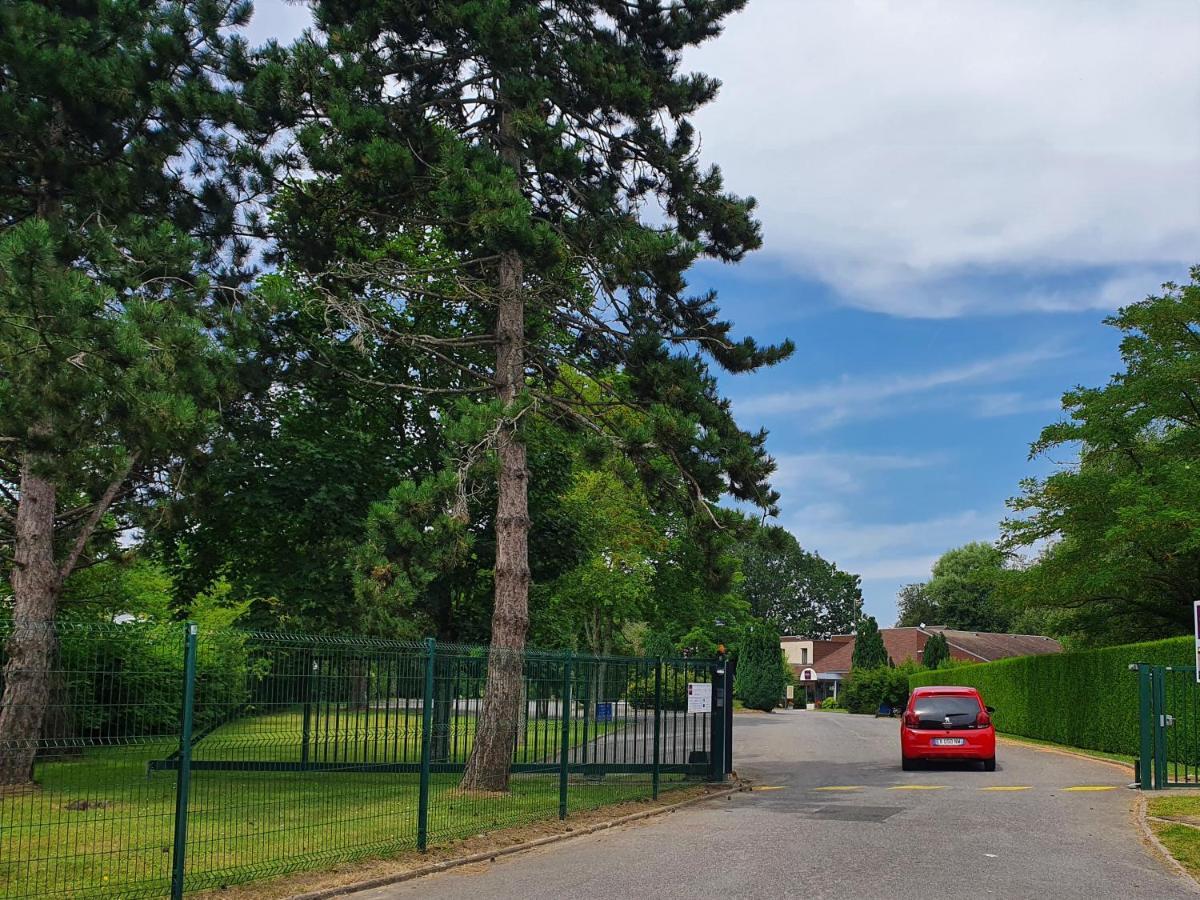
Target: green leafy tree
<point>796,590</point>
<point>963,592</point>
<point>534,136</point>
<point>963,589</point>
<point>115,199</point>
<point>869,650</point>
<point>916,607</point>
<point>759,682</point>
<point>1123,522</point>
<point>937,651</point>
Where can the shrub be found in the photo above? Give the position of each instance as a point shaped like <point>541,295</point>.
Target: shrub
<point>865,690</point>
<point>760,682</point>
<point>640,693</point>
<point>1084,699</point>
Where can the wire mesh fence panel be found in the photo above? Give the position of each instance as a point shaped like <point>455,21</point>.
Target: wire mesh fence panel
<point>84,710</point>
<point>312,759</point>
<point>166,758</point>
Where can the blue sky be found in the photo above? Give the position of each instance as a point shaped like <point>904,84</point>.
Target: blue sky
<point>954,194</point>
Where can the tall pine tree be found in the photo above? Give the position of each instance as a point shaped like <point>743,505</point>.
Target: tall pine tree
<point>115,198</point>
<point>869,649</point>
<point>550,144</point>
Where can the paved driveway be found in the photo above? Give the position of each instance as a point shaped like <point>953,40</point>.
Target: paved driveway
<point>836,818</point>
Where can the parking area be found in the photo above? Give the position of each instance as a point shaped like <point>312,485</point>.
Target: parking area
<point>833,816</point>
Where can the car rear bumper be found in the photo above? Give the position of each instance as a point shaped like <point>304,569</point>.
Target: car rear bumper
<point>976,744</point>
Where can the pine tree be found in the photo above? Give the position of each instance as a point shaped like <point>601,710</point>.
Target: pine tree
<point>760,680</point>
<point>539,140</point>
<point>115,198</point>
<point>869,650</point>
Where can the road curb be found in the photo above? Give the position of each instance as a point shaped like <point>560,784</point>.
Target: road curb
<point>1149,837</point>
<point>447,864</point>
<point>1017,742</point>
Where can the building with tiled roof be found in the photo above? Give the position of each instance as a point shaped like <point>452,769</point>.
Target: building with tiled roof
<point>819,665</point>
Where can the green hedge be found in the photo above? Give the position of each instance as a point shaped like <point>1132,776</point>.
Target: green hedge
<point>1086,699</point>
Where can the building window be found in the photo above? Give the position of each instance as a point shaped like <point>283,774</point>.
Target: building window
<point>804,656</point>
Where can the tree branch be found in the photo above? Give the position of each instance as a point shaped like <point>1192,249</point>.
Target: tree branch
<point>89,525</point>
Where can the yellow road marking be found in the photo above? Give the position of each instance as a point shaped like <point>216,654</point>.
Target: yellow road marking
<point>840,787</point>
<point>916,787</point>
<point>1092,787</point>
<point>1008,787</point>
<point>767,787</point>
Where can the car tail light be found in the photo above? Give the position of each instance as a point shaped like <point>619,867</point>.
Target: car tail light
<point>910,719</point>
<point>984,720</point>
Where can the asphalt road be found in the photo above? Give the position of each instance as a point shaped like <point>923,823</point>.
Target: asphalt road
<point>834,817</point>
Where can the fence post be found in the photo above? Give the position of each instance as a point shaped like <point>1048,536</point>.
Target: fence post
<point>564,752</point>
<point>426,745</point>
<point>716,722</point>
<point>306,737</point>
<point>1146,746</point>
<point>1158,690</point>
<point>183,782</point>
<point>730,677</point>
<point>658,702</point>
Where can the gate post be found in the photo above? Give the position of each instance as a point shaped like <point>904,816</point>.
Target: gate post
<point>1159,715</point>
<point>183,781</point>
<point>716,721</point>
<point>658,701</point>
<point>426,745</point>
<point>1145,724</point>
<point>731,669</point>
<point>564,751</point>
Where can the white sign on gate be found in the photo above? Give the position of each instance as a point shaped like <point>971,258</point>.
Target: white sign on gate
<point>1196,618</point>
<point>699,697</point>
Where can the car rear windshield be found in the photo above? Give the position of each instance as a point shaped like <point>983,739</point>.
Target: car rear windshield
<point>941,711</point>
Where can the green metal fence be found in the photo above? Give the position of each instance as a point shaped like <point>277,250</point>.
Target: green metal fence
<point>1169,705</point>
<point>173,759</point>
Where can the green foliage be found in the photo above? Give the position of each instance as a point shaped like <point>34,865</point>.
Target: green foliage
<point>962,593</point>
<point>798,591</point>
<point>1124,521</point>
<point>759,682</point>
<point>640,692</point>
<point>1082,699</point>
<point>937,651</point>
<point>915,607</point>
<point>869,651</point>
<point>865,690</point>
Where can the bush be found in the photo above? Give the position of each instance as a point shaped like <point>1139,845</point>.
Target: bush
<point>833,703</point>
<point>1085,699</point>
<point>865,690</point>
<point>640,692</point>
<point>760,681</point>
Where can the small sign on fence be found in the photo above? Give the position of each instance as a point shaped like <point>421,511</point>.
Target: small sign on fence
<point>604,712</point>
<point>699,697</point>
<point>1196,619</point>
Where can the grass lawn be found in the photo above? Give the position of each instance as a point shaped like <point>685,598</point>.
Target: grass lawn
<point>101,825</point>
<point>1180,835</point>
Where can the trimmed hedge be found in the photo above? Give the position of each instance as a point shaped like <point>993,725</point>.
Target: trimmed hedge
<point>1085,699</point>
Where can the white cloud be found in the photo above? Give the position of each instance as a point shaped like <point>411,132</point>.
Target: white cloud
<point>1011,403</point>
<point>854,398</point>
<point>906,153</point>
<point>801,475</point>
<point>897,550</point>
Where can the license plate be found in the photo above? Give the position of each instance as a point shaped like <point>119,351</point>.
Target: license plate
<point>948,742</point>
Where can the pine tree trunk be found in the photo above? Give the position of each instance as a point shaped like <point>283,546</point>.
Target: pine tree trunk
<point>496,730</point>
<point>31,646</point>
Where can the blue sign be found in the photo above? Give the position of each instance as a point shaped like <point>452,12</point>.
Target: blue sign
<point>604,712</point>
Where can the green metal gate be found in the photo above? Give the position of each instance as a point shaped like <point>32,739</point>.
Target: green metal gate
<point>1169,725</point>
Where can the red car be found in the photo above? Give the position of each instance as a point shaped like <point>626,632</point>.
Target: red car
<point>947,723</point>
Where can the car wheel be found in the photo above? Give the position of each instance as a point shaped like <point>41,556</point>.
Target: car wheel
<point>907,764</point>
<point>989,765</point>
